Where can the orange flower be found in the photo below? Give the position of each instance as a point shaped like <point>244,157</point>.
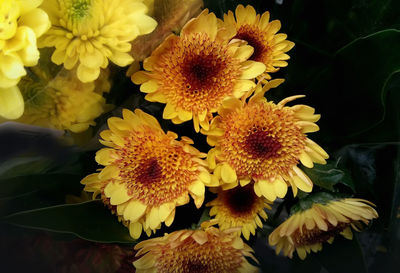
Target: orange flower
<point>185,251</point>
<point>264,142</point>
<point>194,72</point>
<point>147,172</point>
<point>239,208</point>
<point>269,47</point>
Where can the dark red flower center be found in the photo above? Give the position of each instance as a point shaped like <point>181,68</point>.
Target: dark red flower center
<point>150,172</point>
<point>240,199</point>
<point>251,36</point>
<point>201,71</point>
<point>261,144</point>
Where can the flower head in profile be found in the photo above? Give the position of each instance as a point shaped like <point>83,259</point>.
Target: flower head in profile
<point>192,251</point>
<point>306,230</point>
<point>64,102</point>
<point>87,34</point>
<point>148,172</point>
<point>239,208</point>
<point>21,22</point>
<point>194,72</point>
<point>269,47</point>
<point>264,142</point>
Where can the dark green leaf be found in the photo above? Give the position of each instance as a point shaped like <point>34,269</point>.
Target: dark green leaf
<point>313,198</point>
<point>327,176</point>
<point>89,220</point>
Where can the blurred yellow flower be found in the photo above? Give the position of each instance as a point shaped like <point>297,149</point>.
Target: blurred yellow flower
<point>89,33</point>
<point>239,208</point>
<point>269,47</point>
<point>205,251</point>
<point>194,72</point>
<point>306,230</point>
<point>63,103</point>
<point>264,142</point>
<point>21,22</point>
<point>147,172</point>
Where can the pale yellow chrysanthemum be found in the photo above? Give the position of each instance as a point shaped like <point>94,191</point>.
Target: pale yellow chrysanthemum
<point>63,103</point>
<point>191,251</point>
<point>149,172</point>
<point>194,72</point>
<point>269,47</point>
<point>264,142</point>
<point>239,208</point>
<point>21,22</point>
<point>306,230</point>
<point>87,34</point>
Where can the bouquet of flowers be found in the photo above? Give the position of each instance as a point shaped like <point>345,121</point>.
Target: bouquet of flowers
<point>168,133</point>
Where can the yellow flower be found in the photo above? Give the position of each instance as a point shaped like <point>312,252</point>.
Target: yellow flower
<point>191,251</point>
<point>63,103</point>
<point>149,172</point>
<point>306,230</point>
<point>269,47</point>
<point>21,22</point>
<point>239,207</point>
<point>264,142</point>
<point>194,72</point>
<point>89,33</point>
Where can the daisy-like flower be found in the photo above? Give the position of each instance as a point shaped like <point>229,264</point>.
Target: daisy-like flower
<point>21,22</point>
<point>87,34</point>
<point>269,47</point>
<point>148,172</point>
<point>194,72</point>
<point>239,207</point>
<point>264,142</point>
<point>306,230</point>
<point>205,251</point>
<point>63,103</point>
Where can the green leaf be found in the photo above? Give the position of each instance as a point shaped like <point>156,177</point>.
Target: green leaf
<point>90,221</point>
<point>313,198</point>
<point>327,176</point>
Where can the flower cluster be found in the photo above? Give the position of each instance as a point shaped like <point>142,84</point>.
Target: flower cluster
<point>215,74</point>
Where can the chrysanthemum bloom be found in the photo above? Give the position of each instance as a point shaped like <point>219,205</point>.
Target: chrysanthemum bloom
<point>63,103</point>
<point>191,251</point>
<point>264,142</point>
<point>306,230</point>
<point>269,47</point>
<point>194,72</point>
<point>87,34</point>
<point>150,172</point>
<point>21,22</point>
<point>239,207</point>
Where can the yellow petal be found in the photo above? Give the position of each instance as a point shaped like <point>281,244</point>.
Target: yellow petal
<point>165,210</point>
<point>153,219</point>
<point>135,230</point>
<point>11,103</point>
<point>252,69</point>
<point>169,112</point>
<point>134,210</point>
<point>37,20</point>
<point>228,174</point>
<point>280,187</point>
<point>149,86</point>
<point>267,189</point>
